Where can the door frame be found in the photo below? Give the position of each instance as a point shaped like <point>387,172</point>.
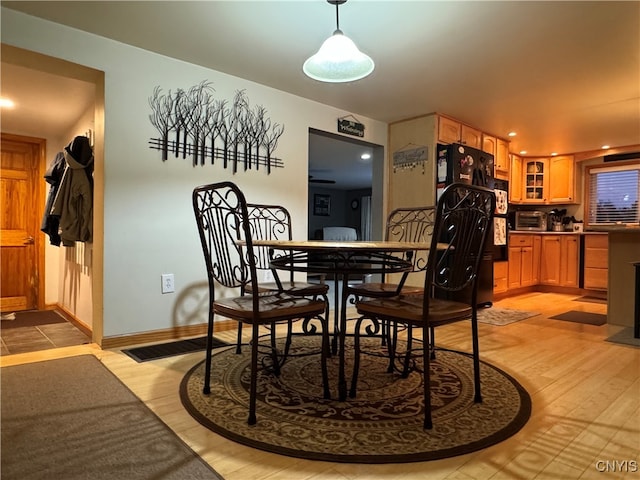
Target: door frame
<point>39,191</point>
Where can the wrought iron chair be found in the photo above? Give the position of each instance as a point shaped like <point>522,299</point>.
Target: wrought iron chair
<point>463,219</point>
<point>273,222</point>
<point>226,237</point>
<point>403,225</point>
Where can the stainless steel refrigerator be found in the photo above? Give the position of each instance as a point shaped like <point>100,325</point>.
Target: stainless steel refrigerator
<point>459,163</point>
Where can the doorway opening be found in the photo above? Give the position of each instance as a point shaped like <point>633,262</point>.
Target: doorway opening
<point>345,185</point>
<point>69,278</point>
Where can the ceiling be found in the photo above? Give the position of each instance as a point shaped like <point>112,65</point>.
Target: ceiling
<point>564,75</point>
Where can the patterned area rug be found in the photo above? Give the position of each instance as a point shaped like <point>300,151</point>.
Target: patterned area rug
<point>503,316</point>
<point>382,425</point>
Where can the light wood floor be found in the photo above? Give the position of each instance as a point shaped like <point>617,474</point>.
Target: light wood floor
<point>585,392</point>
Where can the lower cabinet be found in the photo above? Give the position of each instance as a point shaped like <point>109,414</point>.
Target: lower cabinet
<point>500,277</point>
<point>560,260</point>
<point>524,260</point>
<point>596,261</point>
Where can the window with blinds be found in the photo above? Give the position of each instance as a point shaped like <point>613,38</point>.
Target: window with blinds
<point>613,195</point>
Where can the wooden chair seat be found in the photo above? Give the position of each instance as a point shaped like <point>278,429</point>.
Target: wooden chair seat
<point>270,308</point>
<point>408,309</point>
<point>297,289</point>
<point>381,289</point>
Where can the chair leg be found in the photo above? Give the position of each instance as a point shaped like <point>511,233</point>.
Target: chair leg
<point>253,390</point>
<point>391,340</point>
<point>432,342</point>
<point>207,369</point>
<point>476,358</point>
<point>239,339</point>
<point>426,378</point>
<point>327,312</point>
<point>407,355</point>
<point>356,358</point>
<point>324,354</point>
<point>274,351</point>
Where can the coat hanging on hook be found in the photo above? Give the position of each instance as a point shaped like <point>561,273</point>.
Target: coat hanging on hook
<point>73,203</point>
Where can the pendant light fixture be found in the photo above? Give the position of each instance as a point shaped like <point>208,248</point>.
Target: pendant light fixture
<point>338,59</point>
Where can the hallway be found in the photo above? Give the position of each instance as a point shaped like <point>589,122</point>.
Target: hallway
<point>35,331</point>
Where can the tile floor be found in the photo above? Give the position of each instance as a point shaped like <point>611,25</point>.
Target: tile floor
<point>41,337</point>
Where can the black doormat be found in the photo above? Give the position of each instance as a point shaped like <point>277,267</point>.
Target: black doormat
<point>179,347</point>
<point>591,299</point>
<point>582,317</point>
<point>31,318</point>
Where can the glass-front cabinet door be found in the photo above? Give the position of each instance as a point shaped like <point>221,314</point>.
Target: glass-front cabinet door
<point>535,172</point>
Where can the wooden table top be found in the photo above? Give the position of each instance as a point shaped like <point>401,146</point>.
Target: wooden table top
<point>360,246</point>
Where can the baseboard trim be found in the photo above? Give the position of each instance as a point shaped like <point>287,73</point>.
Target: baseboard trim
<point>173,333</point>
<point>71,318</point>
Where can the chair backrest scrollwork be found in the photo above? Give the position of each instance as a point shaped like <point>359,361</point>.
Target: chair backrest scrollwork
<point>463,221</point>
<point>221,215</point>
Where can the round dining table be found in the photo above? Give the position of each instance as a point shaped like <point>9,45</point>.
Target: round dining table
<point>343,260</point>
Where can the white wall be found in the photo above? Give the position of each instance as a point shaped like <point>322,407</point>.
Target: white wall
<point>148,221</point>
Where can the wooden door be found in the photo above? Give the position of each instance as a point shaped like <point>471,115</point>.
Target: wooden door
<point>21,195</point>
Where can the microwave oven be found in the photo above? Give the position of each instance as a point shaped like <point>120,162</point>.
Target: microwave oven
<point>531,220</point>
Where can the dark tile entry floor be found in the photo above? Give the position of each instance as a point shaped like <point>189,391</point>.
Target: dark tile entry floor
<point>33,338</point>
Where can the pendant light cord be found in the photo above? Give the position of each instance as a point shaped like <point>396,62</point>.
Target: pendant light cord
<point>337,17</point>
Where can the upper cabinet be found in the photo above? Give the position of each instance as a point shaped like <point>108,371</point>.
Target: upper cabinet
<point>450,131</point>
<point>562,183</point>
<point>515,186</point>
<point>543,180</point>
<point>501,162</point>
<point>500,150</point>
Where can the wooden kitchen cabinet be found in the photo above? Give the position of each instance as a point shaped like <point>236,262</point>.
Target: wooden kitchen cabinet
<point>501,160</point>
<point>562,188</point>
<point>536,174</point>
<point>500,277</point>
<point>470,136</point>
<point>596,261</point>
<point>560,260</point>
<point>489,144</point>
<point>515,180</point>
<point>543,180</point>
<point>524,260</point>
<point>450,131</point>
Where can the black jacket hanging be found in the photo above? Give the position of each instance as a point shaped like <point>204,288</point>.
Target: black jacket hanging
<point>50,222</point>
<point>74,199</point>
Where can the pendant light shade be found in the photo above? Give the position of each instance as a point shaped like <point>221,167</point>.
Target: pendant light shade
<point>338,59</point>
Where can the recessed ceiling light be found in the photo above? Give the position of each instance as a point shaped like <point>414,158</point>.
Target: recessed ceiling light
<point>523,152</point>
<point>553,154</point>
<point>512,134</point>
<point>365,156</point>
<point>604,147</point>
<point>6,103</point>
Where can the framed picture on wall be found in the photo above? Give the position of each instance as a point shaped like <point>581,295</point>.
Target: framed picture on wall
<point>321,205</point>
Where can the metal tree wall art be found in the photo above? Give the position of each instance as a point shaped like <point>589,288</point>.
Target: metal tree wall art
<point>193,123</point>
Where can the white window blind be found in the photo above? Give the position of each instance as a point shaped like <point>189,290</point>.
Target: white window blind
<point>613,195</point>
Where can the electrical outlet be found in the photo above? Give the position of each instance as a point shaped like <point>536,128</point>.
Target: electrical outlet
<point>168,284</point>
